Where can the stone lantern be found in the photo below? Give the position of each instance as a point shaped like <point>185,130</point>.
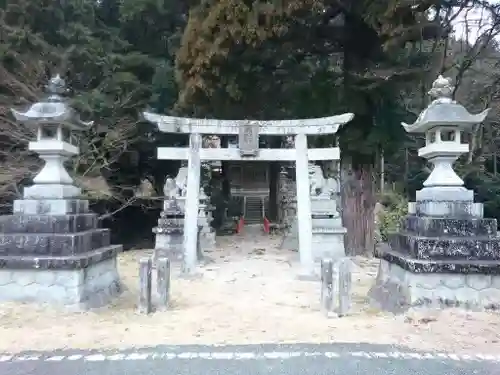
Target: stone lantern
<point>445,252</point>
<point>52,250</point>
<point>56,126</point>
<point>443,122</point>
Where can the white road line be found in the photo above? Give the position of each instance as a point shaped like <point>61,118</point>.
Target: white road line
<point>74,357</point>
<point>56,358</point>
<point>312,354</point>
<point>115,357</point>
<point>95,357</point>
<point>187,355</point>
<point>137,356</point>
<point>203,355</point>
<point>331,355</point>
<point>249,355</point>
<point>23,358</point>
<point>428,356</point>
<point>244,355</point>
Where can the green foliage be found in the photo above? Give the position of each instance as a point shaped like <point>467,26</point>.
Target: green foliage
<point>110,54</point>
<point>395,208</point>
<point>226,59</point>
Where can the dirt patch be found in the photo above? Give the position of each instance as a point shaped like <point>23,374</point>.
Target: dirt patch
<point>249,294</point>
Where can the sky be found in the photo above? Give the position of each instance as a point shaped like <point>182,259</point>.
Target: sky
<point>476,20</point>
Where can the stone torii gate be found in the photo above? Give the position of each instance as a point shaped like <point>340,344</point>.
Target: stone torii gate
<point>248,133</point>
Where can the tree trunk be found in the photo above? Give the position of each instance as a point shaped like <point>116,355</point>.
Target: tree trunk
<point>358,204</point>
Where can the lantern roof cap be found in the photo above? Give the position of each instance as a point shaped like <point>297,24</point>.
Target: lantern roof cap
<point>444,111</point>
<point>53,109</point>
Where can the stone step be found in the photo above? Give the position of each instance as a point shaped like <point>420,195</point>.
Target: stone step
<point>53,244</point>
<point>438,266</point>
<point>446,248</point>
<point>254,210</point>
<point>61,262</point>
<point>449,227</point>
<point>19,223</point>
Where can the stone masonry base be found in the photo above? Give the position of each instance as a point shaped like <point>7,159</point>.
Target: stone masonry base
<point>396,289</point>
<point>74,289</point>
<point>328,244</point>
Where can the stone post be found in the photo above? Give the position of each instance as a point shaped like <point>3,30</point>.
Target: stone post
<point>145,305</point>
<point>163,282</point>
<point>345,281</point>
<point>328,286</point>
<point>336,286</point>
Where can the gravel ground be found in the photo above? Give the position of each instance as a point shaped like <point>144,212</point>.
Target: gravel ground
<point>248,294</point>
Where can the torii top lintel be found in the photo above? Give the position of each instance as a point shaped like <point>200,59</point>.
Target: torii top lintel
<point>313,126</point>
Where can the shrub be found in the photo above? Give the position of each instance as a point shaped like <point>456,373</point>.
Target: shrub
<point>395,208</point>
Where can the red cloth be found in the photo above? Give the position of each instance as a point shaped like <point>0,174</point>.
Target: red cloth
<point>241,224</point>
<point>267,224</point>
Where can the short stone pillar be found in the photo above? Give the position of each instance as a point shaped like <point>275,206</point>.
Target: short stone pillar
<point>446,253</point>
<point>51,249</point>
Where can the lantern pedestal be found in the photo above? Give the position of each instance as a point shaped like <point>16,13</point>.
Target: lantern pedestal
<point>443,184</point>
<point>53,181</point>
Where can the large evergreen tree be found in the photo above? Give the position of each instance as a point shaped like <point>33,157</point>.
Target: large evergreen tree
<point>270,59</point>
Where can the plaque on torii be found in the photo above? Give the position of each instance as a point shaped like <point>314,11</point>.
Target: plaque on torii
<point>248,139</point>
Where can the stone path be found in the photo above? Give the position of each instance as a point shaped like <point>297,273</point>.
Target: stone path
<point>346,359</point>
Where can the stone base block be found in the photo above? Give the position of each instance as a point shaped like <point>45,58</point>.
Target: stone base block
<point>444,193</point>
<point>445,226</point>
<point>445,248</point>
<point>207,240</point>
<point>47,223</point>
<point>323,204</point>
<point>51,206</point>
<point>328,244</point>
<point>169,246</point>
<point>174,253</point>
<point>55,191</point>
<point>53,244</point>
<point>73,289</point>
<point>333,222</point>
<point>398,289</point>
<point>290,241</point>
<point>454,209</point>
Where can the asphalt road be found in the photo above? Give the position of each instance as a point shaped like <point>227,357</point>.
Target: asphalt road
<point>335,359</point>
